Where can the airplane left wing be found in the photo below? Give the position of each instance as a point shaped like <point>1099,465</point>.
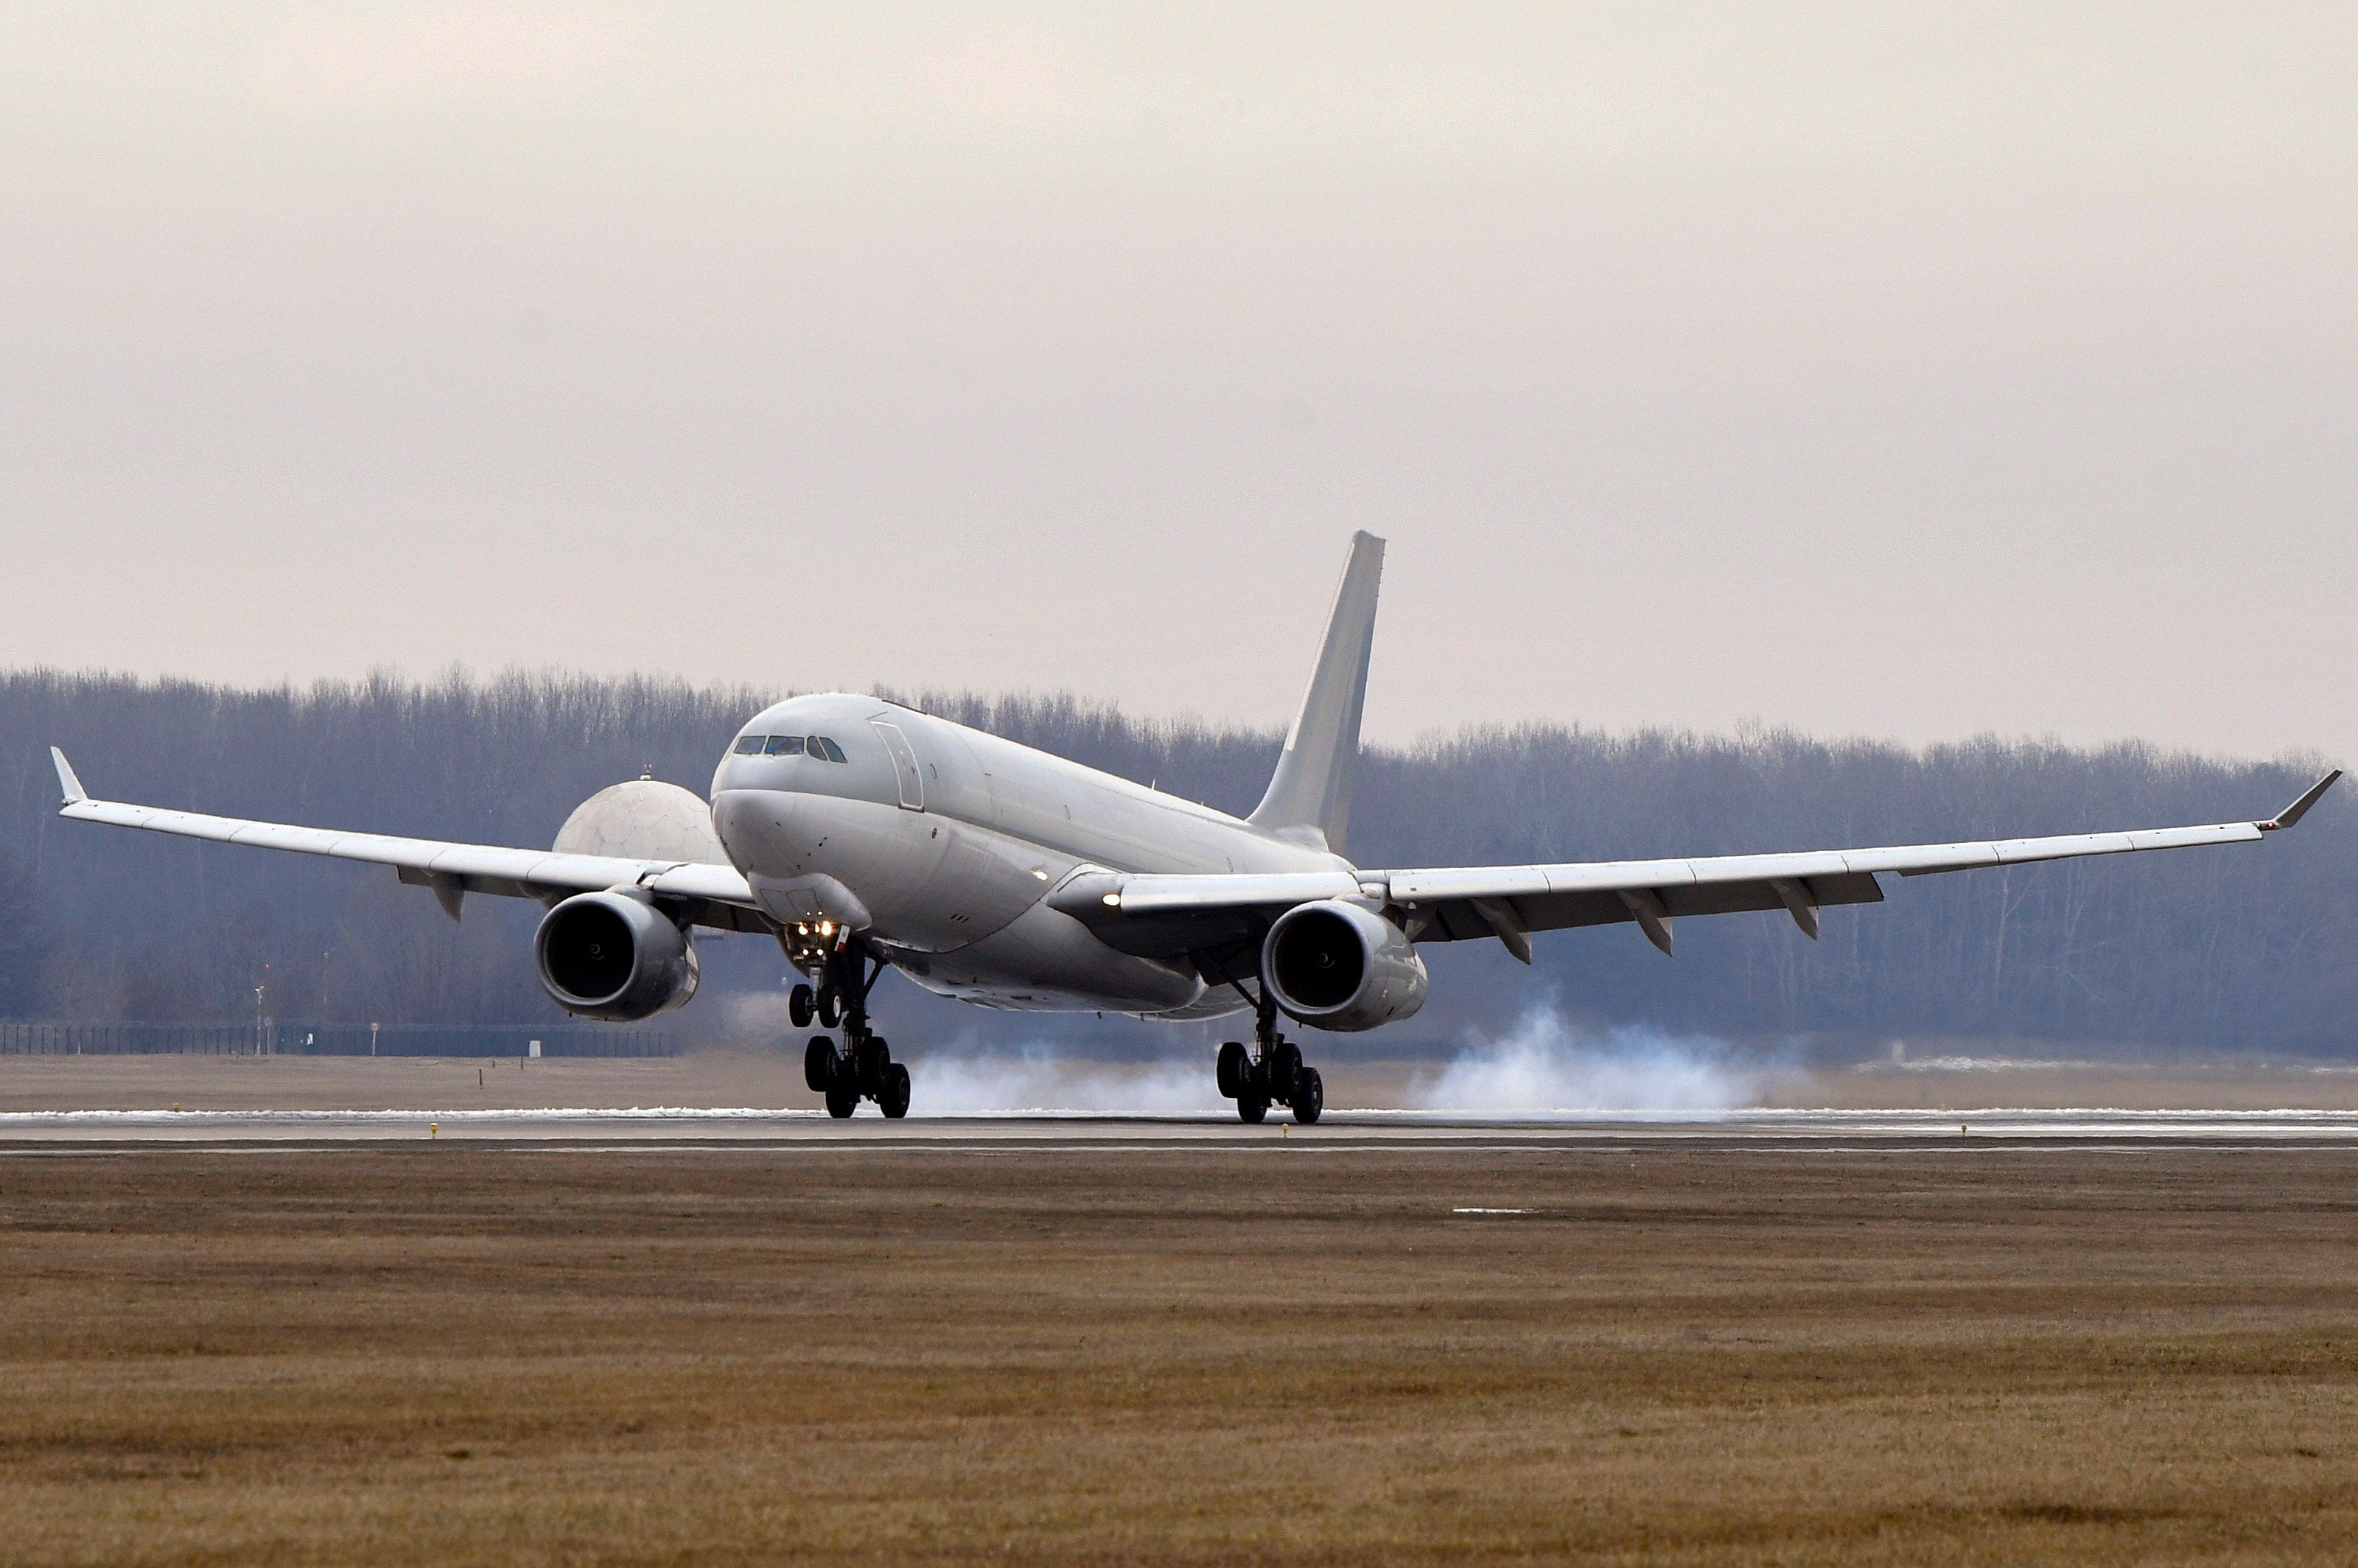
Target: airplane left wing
<point>711,895</point>
<point>1166,915</point>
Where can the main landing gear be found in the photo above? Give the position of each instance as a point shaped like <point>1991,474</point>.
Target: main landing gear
<point>1271,1073</point>
<point>862,1067</point>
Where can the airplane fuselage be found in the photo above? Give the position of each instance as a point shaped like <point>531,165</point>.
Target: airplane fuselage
<point>941,843</point>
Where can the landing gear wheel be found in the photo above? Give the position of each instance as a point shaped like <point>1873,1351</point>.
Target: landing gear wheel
<point>839,976</point>
<point>893,1102</point>
<point>1251,1106</point>
<point>871,1062</point>
<point>1309,1095</point>
<point>1285,1067</point>
<point>1232,1069</point>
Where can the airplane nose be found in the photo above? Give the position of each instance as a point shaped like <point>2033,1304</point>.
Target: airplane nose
<point>758,825</point>
<point>777,840</point>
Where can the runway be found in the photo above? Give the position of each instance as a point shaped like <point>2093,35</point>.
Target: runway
<point>1051,1130</point>
<point>450,1338</point>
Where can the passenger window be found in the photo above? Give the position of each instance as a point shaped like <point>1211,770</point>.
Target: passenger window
<point>822,747</point>
<point>785,745</point>
<point>749,745</point>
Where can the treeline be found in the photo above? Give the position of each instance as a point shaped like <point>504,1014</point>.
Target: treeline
<point>2245,948</point>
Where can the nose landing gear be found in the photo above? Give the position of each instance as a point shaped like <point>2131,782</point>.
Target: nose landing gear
<point>803,1004</point>
<point>862,1067</point>
<point>1271,1073</point>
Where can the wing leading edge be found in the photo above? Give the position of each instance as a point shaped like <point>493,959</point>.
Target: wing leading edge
<point>715,895</point>
<point>1452,904</point>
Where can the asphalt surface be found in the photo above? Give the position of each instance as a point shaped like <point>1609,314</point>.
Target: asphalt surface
<point>656,1126</point>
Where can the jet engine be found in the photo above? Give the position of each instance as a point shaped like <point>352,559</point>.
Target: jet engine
<point>612,956</point>
<point>1334,965</point>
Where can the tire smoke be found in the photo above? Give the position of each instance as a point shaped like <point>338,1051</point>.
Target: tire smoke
<point>1029,1086</point>
<point>1546,1065</point>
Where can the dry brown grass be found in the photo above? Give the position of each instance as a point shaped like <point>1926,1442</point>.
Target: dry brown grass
<point>1692,1353</point>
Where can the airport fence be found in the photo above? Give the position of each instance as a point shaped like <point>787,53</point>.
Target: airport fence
<point>273,1038</point>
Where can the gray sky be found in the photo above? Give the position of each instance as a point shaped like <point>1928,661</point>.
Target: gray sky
<point>1902,369</point>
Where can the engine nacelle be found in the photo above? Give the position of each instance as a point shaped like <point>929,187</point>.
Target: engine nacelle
<point>1334,965</point>
<point>609,956</point>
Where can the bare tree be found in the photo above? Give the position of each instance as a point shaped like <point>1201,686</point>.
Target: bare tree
<point>2249,949</point>
<point>26,940</point>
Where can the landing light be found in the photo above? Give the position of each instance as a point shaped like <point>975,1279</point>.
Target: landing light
<point>826,927</point>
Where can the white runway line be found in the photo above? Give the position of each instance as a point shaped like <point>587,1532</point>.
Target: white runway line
<point>659,1125</point>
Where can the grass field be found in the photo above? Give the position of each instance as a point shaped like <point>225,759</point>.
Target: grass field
<point>1689,1354</point>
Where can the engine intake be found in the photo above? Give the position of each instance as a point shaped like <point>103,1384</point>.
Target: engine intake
<point>1333,965</point>
<point>608,955</point>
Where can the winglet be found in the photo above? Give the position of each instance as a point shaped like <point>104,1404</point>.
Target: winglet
<point>2284,818</point>
<point>71,786</point>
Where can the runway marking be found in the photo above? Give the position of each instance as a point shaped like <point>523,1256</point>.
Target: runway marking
<point>1896,1148</point>
<point>667,1130</point>
<point>1990,1121</point>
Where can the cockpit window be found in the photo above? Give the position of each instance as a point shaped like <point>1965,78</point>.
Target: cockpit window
<point>818,746</point>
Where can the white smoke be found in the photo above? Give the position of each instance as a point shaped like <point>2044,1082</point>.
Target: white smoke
<point>1041,1086</point>
<point>1546,1065</point>
<point>1543,1065</point>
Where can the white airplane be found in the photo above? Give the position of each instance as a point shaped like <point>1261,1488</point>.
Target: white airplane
<point>863,835</point>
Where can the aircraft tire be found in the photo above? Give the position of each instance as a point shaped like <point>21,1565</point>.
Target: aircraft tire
<point>1251,1106</point>
<point>818,1064</point>
<point>871,1063</point>
<point>1285,1067</point>
<point>1309,1095</point>
<point>894,1101</point>
<point>841,1101</point>
<point>1232,1069</point>
<point>802,1007</point>
<point>831,1007</point>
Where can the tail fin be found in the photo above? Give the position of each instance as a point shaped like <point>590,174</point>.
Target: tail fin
<point>1310,795</point>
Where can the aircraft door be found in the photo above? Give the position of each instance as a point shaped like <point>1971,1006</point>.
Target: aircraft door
<point>904,765</point>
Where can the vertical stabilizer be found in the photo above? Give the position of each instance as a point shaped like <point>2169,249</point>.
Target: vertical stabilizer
<point>1310,794</point>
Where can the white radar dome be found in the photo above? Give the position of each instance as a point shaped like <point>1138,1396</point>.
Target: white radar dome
<point>643,820</point>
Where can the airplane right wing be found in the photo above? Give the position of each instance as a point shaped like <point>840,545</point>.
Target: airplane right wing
<point>710,895</point>
<point>1167,915</point>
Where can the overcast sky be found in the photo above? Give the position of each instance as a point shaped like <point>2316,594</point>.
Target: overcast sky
<point>1900,370</point>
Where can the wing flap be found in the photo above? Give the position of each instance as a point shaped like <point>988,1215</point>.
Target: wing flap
<point>1180,894</point>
